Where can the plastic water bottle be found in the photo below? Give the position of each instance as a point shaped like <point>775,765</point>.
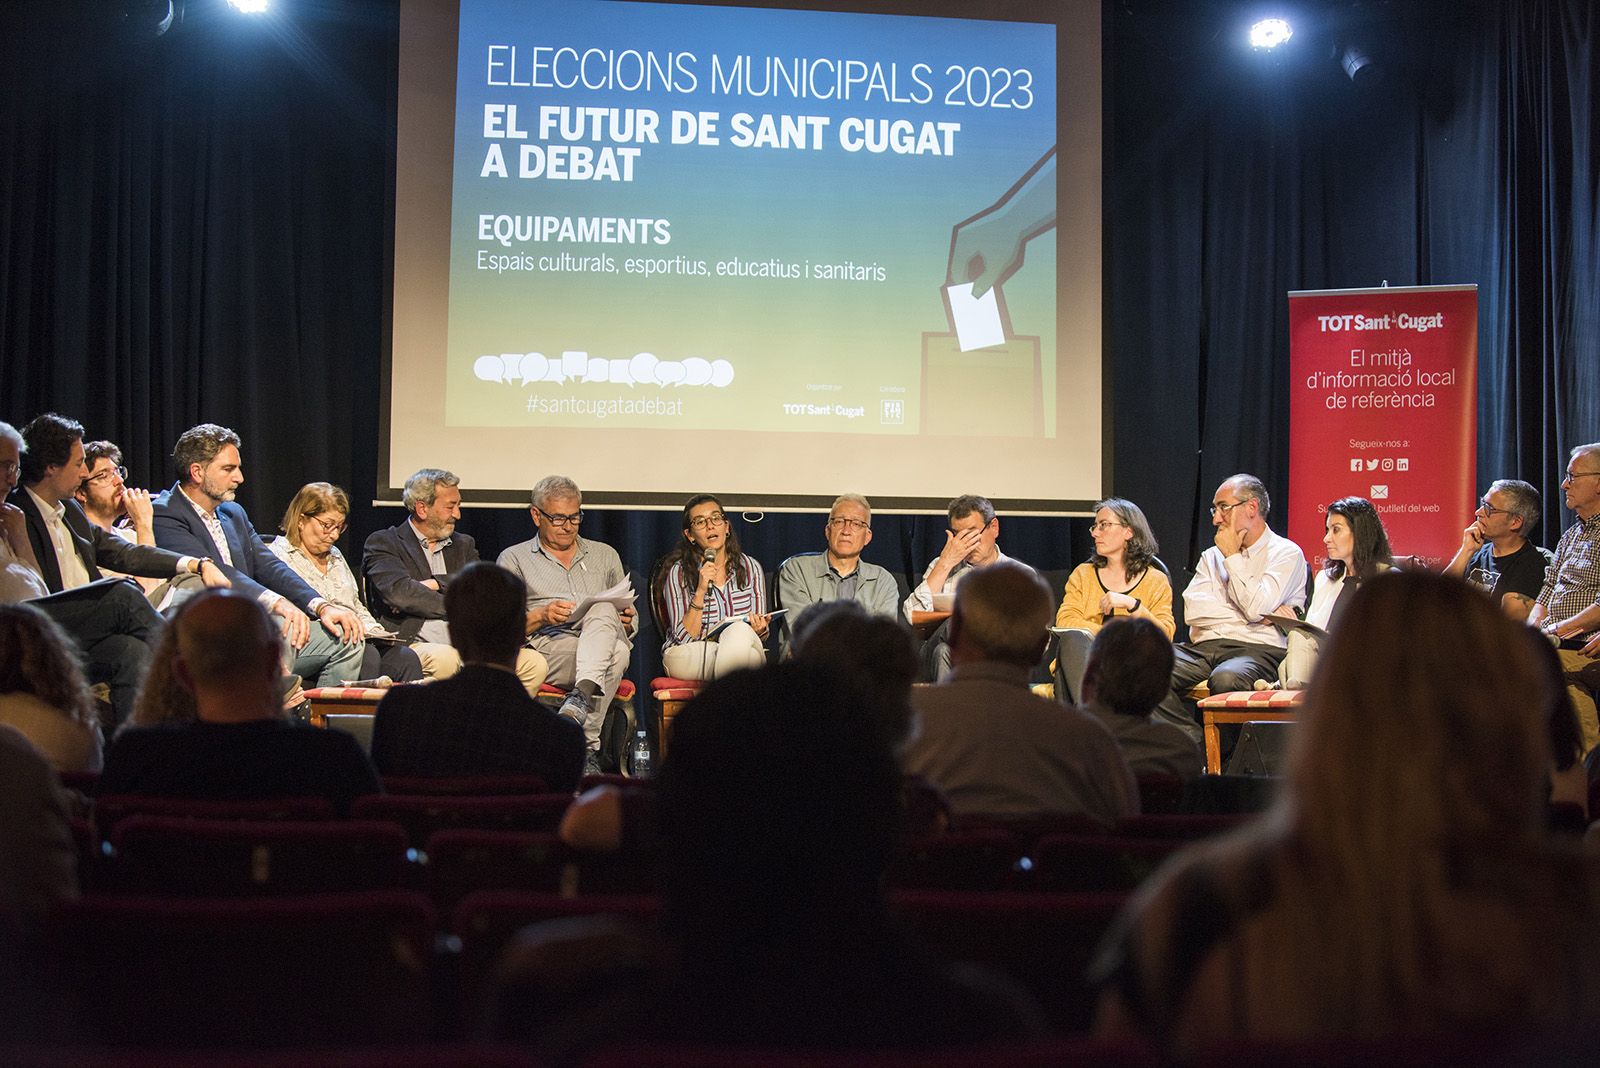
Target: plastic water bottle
<point>641,757</point>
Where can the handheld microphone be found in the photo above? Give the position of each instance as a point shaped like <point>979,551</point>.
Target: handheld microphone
<point>711,554</point>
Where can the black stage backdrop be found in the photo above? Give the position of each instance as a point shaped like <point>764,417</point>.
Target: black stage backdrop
<point>193,228</point>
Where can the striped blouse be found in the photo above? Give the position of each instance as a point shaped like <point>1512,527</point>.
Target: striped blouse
<point>721,603</point>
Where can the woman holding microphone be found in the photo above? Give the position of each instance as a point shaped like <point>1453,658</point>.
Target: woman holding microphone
<point>713,598</point>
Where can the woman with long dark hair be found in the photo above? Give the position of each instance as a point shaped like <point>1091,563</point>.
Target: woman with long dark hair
<point>713,598</point>
<point>1358,549</point>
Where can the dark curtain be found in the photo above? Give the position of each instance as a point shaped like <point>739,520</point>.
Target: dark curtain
<point>1238,177</point>
<point>193,228</point>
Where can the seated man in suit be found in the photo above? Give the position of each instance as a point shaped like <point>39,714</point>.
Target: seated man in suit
<point>69,547</point>
<point>50,557</point>
<point>839,573</point>
<point>198,517</point>
<point>587,656</point>
<point>480,721</point>
<point>408,569</point>
<point>241,747</point>
<point>995,749</point>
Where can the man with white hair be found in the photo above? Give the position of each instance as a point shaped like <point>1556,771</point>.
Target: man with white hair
<point>993,747</point>
<point>839,574</point>
<point>409,567</point>
<point>588,656</point>
<point>1568,609</point>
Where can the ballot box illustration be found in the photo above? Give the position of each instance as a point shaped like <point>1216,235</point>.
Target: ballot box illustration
<point>988,392</point>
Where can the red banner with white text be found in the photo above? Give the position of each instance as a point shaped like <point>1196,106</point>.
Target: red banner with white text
<point>1384,405</point>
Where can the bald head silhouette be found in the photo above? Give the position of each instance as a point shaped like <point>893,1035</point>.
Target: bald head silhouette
<point>229,656</point>
<point>1001,613</point>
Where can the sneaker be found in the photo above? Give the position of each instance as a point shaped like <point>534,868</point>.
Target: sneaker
<point>576,707</point>
<point>591,762</point>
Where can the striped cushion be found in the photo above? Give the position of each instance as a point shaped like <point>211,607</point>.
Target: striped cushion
<point>1247,699</point>
<point>354,694</point>
<point>667,688</point>
<point>625,691</point>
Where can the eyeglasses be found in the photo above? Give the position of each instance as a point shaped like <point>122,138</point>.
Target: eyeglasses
<point>1221,509</point>
<point>1578,474</point>
<point>846,523</point>
<point>327,526</point>
<point>561,520</point>
<point>1490,511</point>
<point>1101,527</point>
<point>119,473</point>
<point>715,519</point>
<point>10,467</point>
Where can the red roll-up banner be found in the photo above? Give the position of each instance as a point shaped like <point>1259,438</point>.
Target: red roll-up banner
<point>1383,404</point>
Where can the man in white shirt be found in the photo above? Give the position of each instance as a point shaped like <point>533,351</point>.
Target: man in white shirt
<point>1249,572</point>
<point>971,541</point>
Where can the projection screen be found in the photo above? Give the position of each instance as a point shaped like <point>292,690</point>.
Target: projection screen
<point>766,252</point>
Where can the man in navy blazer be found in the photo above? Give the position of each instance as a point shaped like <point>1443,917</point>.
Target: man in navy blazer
<point>481,721</point>
<point>198,517</point>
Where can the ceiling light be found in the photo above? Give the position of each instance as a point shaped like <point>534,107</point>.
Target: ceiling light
<point>1270,33</point>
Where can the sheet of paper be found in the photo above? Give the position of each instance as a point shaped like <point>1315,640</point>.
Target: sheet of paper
<point>976,321</point>
<point>620,596</point>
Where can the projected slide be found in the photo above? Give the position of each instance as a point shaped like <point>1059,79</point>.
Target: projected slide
<point>739,220</point>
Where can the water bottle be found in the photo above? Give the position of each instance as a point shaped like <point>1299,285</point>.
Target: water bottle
<point>641,757</point>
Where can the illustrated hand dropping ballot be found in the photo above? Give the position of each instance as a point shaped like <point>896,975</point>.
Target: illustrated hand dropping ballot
<point>986,250</point>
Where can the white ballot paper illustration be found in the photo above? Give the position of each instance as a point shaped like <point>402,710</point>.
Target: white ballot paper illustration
<point>975,320</point>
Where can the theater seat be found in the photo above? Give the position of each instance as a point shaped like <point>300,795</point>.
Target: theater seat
<point>224,858</point>
<point>465,785</point>
<point>1044,941</point>
<point>114,808</point>
<point>1083,862</point>
<point>1061,1053</point>
<point>960,860</point>
<point>487,921</point>
<point>421,816</point>
<point>325,970</point>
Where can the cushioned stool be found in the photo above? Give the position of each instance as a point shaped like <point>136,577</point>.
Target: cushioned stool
<point>671,695</point>
<point>1243,706</point>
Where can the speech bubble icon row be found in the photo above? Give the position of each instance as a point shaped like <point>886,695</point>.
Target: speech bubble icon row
<point>642,369</point>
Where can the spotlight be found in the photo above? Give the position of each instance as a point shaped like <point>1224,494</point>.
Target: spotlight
<point>248,7</point>
<point>1270,33</point>
<point>150,18</point>
<point>1359,64</point>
